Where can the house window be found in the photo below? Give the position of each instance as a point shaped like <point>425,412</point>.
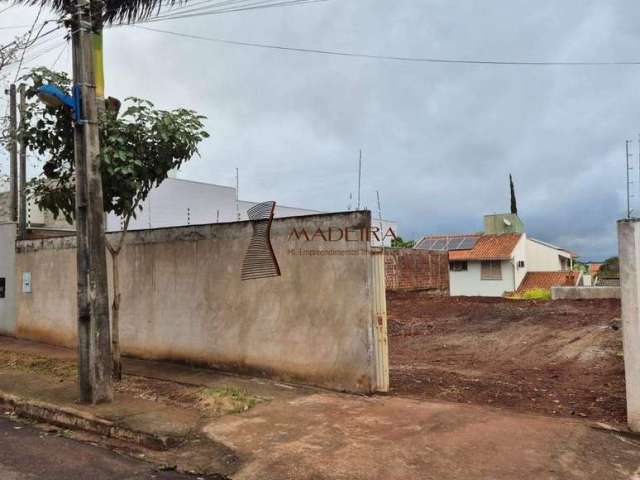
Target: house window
<point>490,270</point>
<point>458,266</point>
<point>520,263</point>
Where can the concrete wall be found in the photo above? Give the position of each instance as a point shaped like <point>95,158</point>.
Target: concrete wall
<point>183,299</point>
<point>584,293</point>
<point>412,269</point>
<point>469,283</point>
<point>8,272</point>
<point>178,202</point>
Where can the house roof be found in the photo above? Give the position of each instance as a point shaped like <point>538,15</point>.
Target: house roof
<point>547,280</point>
<point>489,247</point>
<point>551,245</point>
<point>594,268</point>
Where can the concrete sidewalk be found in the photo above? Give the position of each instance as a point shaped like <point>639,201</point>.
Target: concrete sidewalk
<point>307,434</point>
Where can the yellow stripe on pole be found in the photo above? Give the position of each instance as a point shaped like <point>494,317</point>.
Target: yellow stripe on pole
<point>99,63</point>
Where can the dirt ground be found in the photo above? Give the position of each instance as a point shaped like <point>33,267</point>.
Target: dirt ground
<point>560,358</point>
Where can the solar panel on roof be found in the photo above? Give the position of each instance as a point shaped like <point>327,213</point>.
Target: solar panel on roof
<point>468,243</point>
<point>439,244</point>
<point>425,244</point>
<point>454,243</point>
<point>448,243</point>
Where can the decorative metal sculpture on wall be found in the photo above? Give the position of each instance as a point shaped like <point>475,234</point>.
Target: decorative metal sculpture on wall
<point>260,261</point>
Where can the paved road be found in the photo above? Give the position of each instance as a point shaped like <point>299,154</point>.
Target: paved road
<point>26,453</point>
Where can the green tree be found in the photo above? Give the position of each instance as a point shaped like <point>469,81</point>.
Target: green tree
<point>138,149</point>
<point>398,242</point>
<point>610,268</point>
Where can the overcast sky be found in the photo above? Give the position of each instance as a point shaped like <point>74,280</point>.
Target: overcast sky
<point>438,140</point>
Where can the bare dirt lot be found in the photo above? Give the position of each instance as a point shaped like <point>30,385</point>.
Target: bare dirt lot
<point>560,357</point>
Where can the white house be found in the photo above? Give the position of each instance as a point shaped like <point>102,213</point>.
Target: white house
<point>503,259</point>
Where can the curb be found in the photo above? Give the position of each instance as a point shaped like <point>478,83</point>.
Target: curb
<point>71,418</point>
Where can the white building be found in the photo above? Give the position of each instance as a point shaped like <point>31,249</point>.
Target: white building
<point>185,202</point>
<point>501,261</point>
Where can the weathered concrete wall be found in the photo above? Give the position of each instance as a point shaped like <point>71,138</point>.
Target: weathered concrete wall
<point>413,269</point>
<point>584,293</point>
<point>629,254</point>
<point>183,299</point>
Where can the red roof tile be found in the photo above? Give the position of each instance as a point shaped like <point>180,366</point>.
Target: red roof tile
<point>594,268</point>
<point>547,280</point>
<point>489,247</point>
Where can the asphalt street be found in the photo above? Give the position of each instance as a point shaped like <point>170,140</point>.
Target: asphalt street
<point>27,453</point>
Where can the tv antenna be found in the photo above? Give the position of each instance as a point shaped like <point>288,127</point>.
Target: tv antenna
<point>359,177</point>
<point>629,182</point>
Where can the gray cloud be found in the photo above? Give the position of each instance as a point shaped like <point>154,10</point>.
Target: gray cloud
<point>438,140</point>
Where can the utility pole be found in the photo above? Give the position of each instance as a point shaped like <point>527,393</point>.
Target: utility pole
<point>13,152</point>
<point>94,337</point>
<point>23,169</point>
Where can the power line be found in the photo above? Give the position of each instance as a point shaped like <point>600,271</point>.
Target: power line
<point>39,53</point>
<point>199,8</point>
<point>208,4</point>
<point>62,50</point>
<point>12,27</point>
<point>7,8</point>
<point>392,57</point>
<point>204,11</point>
<point>29,39</point>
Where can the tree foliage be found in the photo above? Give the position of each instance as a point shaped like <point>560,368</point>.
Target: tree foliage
<point>610,267</point>
<point>138,148</point>
<point>398,242</point>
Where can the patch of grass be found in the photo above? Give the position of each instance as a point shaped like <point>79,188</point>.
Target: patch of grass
<point>225,400</point>
<point>533,294</point>
<point>37,364</point>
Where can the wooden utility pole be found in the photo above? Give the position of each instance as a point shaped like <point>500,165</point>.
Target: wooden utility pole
<point>13,152</point>
<point>94,339</point>
<point>23,169</point>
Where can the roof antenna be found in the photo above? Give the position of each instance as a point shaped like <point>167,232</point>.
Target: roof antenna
<point>379,211</point>
<point>237,201</point>
<point>359,177</point>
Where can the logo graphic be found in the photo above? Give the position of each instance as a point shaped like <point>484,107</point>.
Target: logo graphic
<point>260,261</point>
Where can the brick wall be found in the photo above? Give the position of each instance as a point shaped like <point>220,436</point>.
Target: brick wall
<point>409,269</point>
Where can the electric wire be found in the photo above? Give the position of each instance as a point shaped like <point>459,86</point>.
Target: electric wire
<point>62,50</point>
<point>393,57</point>
<point>229,10</point>
<point>7,8</point>
<point>29,38</point>
<point>243,6</point>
